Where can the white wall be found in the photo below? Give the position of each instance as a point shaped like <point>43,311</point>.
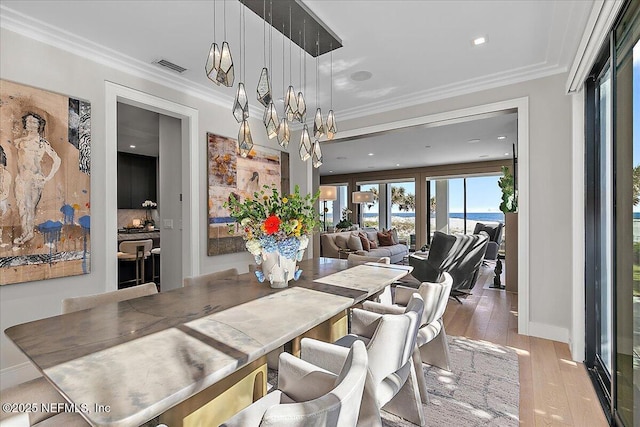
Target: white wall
<point>550,190</point>
<point>169,204</point>
<point>70,74</point>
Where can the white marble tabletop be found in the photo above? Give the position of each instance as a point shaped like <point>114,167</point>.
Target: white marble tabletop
<point>143,356</point>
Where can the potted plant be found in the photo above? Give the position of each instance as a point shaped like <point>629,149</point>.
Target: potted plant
<point>276,229</point>
<point>506,183</point>
<point>345,222</point>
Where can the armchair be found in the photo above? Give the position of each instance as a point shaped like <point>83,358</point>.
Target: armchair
<point>460,255</point>
<point>392,381</point>
<point>495,238</point>
<point>310,396</point>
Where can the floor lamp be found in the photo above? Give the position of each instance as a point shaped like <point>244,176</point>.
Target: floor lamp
<point>327,192</point>
<point>360,198</point>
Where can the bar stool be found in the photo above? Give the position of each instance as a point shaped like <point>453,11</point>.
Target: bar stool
<point>155,253</point>
<point>135,251</point>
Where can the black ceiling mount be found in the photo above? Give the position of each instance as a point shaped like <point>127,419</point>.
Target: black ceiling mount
<point>302,19</point>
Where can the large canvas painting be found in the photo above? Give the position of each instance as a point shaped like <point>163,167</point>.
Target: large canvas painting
<point>45,161</point>
<point>228,174</point>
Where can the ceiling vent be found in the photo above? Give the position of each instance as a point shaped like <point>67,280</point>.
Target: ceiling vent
<point>170,65</point>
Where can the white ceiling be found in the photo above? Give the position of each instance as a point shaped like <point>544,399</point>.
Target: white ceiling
<point>416,51</point>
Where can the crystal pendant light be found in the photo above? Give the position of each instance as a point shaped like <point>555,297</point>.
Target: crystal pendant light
<point>264,85</point>
<point>213,58</point>
<point>301,115</point>
<point>284,134</point>
<point>332,129</point>
<point>317,155</point>
<point>225,71</point>
<point>245,142</point>
<point>318,126</point>
<point>241,103</point>
<point>305,144</point>
<point>271,121</point>
<point>290,101</point>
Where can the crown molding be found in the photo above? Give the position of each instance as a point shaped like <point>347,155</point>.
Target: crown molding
<point>466,87</point>
<point>41,31</point>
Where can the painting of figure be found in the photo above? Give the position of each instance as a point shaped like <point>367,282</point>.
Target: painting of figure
<point>228,174</point>
<point>44,184</point>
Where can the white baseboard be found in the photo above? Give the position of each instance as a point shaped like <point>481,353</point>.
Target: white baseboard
<point>548,332</point>
<point>16,374</point>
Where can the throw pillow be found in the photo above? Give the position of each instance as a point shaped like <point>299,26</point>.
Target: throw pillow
<point>365,242</point>
<point>373,244</point>
<point>354,243</point>
<point>385,239</point>
<point>342,242</point>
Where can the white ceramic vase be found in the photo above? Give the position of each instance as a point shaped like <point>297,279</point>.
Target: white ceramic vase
<point>277,269</point>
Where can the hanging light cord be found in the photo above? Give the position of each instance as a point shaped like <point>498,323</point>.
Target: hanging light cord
<point>331,81</point>
<point>264,33</point>
<point>270,34</point>
<point>214,21</point>
<point>290,75</point>
<point>317,68</point>
<point>283,79</point>
<point>224,13</point>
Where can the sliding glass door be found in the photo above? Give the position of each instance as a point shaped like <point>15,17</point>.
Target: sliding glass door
<point>613,222</point>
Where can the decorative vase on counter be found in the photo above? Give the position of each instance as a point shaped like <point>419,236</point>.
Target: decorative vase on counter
<point>278,269</point>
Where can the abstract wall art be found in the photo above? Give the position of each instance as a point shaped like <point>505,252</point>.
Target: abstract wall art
<point>45,164</point>
<point>230,173</point>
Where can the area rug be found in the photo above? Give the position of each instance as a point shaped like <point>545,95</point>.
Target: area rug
<point>482,388</point>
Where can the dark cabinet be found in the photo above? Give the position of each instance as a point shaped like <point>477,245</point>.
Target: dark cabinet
<point>136,180</point>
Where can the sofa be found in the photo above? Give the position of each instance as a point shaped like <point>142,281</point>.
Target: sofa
<point>333,243</point>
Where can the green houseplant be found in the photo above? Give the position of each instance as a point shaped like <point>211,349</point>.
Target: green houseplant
<point>506,183</point>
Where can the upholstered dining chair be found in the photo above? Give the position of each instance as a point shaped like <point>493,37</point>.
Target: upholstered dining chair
<point>69,305</point>
<point>209,277</point>
<point>355,259</point>
<point>311,396</point>
<point>494,233</point>
<point>392,382</point>
<point>431,342</point>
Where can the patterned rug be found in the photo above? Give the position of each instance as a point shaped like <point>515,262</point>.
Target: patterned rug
<point>481,390</point>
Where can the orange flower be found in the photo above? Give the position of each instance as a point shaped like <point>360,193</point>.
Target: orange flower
<point>272,224</point>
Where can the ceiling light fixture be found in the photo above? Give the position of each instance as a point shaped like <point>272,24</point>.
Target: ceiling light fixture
<point>332,129</point>
<point>213,58</point>
<point>284,134</point>
<point>370,154</point>
<point>241,106</point>
<point>473,141</point>
<point>502,137</point>
<point>301,114</point>
<point>225,74</point>
<point>270,114</point>
<point>132,146</point>
<point>480,40</point>
<point>264,85</point>
<point>290,102</point>
<point>318,125</point>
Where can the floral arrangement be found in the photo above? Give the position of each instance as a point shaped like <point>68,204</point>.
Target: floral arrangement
<point>148,205</point>
<point>345,222</point>
<point>272,222</point>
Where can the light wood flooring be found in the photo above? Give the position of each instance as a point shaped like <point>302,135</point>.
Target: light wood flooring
<point>554,390</point>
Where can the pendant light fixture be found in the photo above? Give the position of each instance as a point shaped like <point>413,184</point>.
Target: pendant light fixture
<point>284,133</point>
<point>290,102</point>
<point>213,58</point>
<point>301,114</point>
<point>225,74</point>
<point>241,103</point>
<point>332,129</point>
<point>305,144</point>
<point>270,114</point>
<point>318,126</point>
<point>264,85</point>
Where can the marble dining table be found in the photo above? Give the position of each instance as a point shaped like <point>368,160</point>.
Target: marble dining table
<point>143,356</point>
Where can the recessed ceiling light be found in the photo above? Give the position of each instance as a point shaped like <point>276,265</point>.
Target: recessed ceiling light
<point>502,137</point>
<point>427,146</point>
<point>484,155</point>
<point>480,40</point>
<point>360,76</point>
<point>132,146</point>
<point>473,141</point>
<point>507,154</point>
<point>330,171</point>
<point>341,158</point>
<point>370,154</point>
<point>397,164</point>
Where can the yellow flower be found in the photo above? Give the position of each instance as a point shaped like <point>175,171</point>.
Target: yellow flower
<point>296,232</point>
<point>265,197</point>
<point>284,200</point>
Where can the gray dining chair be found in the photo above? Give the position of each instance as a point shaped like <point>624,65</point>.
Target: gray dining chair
<point>308,395</point>
<point>392,381</point>
<point>69,305</point>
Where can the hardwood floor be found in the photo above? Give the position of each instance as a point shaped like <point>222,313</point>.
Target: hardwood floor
<point>554,390</point>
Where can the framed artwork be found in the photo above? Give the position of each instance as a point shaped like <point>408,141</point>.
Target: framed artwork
<point>45,167</point>
<point>229,173</point>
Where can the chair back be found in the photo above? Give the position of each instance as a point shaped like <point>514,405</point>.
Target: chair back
<point>340,407</point>
<point>205,279</point>
<point>355,259</point>
<point>131,247</point>
<point>493,231</point>
<point>69,305</point>
<point>435,296</point>
<point>394,339</point>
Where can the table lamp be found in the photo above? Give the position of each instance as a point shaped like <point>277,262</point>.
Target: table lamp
<point>327,192</point>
